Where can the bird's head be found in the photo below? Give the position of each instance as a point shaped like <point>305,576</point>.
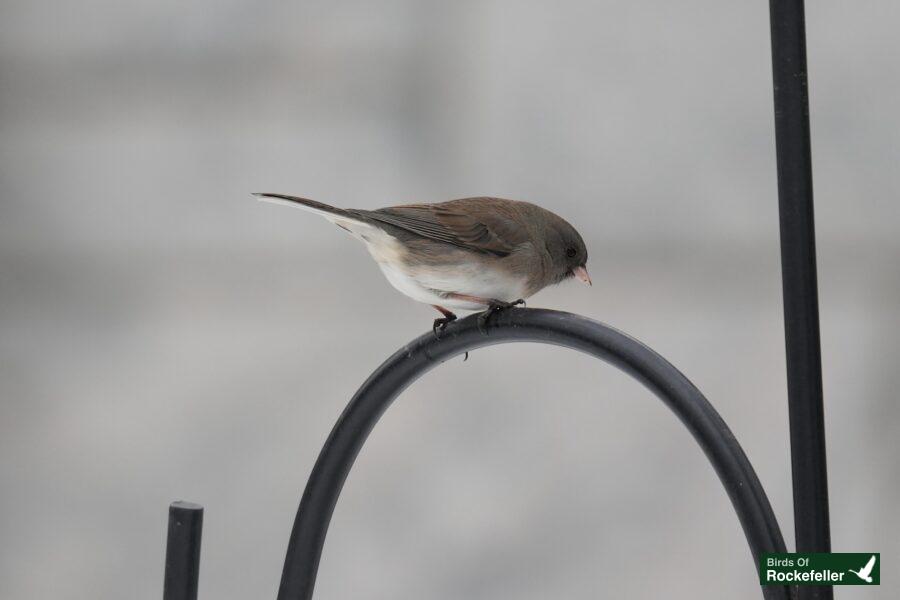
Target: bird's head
<point>568,254</point>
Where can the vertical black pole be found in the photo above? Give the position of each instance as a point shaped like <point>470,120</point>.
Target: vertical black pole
<point>798,270</point>
<point>183,551</point>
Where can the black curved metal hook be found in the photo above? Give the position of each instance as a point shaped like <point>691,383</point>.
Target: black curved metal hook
<point>521,325</point>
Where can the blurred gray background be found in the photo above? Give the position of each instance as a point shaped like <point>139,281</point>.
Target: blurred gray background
<point>164,336</point>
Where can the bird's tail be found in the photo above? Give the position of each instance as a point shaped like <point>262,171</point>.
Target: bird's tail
<point>327,211</point>
<point>353,221</point>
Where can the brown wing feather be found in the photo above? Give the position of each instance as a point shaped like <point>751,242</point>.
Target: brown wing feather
<point>486,225</point>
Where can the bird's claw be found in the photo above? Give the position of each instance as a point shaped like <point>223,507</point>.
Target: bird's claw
<point>494,308</point>
<point>441,324</point>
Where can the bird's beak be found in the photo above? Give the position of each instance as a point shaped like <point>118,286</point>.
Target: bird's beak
<point>582,274</point>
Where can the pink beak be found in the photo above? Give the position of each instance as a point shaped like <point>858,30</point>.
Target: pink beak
<point>582,274</point>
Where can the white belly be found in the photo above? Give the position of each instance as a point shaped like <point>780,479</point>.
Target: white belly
<point>430,285</point>
<point>426,286</point>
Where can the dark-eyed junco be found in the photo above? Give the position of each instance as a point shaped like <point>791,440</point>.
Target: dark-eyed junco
<point>468,254</point>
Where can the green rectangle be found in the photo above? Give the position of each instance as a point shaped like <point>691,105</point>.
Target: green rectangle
<point>836,568</point>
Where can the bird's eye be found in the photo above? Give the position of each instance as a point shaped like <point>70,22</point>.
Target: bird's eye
<point>571,252</point>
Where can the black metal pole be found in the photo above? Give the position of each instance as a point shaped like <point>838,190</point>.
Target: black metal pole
<point>183,551</point>
<point>521,325</point>
<point>798,270</point>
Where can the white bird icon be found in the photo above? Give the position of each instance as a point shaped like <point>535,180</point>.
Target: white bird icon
<point>865,572</point>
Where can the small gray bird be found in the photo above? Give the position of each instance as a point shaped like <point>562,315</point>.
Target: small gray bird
<point>470,254</point>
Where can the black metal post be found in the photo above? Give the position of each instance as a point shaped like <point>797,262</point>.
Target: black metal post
<point>183,551</point>
<point>521,325</point>
<point>798,268</point>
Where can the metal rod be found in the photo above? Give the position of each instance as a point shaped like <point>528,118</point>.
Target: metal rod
<point>521,325</point>
<point>798,269</point>
<point>183,551</point>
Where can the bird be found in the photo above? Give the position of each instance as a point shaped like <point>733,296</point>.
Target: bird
<point>475,254</point>
<point>866,572</point>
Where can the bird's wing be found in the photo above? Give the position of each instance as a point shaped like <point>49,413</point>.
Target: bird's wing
<point>486,225</point>
<point>866,570</point>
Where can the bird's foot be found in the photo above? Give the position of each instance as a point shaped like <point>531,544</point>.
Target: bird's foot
<point>495,306</point>
<point>441,324</point>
